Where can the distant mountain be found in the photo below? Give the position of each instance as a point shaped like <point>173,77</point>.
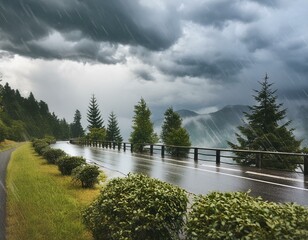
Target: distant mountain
<point>187,113</point>
<point>217,128</point>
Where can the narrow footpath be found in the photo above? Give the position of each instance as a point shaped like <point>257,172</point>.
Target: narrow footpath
<point>4,160</point>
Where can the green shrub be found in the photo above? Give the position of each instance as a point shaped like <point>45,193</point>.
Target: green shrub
<point>43,150</point>
<point>52,155</point>
<point>87,175</point>
<point>240,216</point>
<point>39,145</point>
<point>137,207</point>
<point>66,164</point>
<point>49,139</point>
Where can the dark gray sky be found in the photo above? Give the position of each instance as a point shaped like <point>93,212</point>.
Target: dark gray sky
<point>195,54</point>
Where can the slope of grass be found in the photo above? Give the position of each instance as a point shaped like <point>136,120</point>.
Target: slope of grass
<point>42,204</point>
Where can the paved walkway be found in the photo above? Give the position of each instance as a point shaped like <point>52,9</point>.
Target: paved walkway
<point>4,160</point>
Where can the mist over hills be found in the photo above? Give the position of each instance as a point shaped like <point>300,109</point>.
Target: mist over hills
<point>217,128</point>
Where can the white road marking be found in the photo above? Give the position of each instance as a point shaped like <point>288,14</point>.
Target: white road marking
<point>235,176</point>
<point>247,178</point>
<point>275,176</point>
<point>224,168</point>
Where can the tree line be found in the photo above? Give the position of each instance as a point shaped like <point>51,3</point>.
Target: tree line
<point>25,118</point>
<point>142,128</point>
<point>264,127</point>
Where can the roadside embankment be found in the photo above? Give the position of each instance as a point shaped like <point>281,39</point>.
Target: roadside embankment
<point>43,204</point>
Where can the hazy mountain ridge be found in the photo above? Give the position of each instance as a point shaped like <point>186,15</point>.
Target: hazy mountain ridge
<point>217,128</point>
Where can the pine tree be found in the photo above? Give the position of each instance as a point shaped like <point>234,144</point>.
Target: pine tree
<point>3,128</point>
<point>174,134</point>
<point>267,130</point>
<point>25,118</point>
<point>1,92</point>
<point>94,116</point>
<point>76,127</point>
<point>113,130</point>
<point>172,120</point>
<point>143,131</point>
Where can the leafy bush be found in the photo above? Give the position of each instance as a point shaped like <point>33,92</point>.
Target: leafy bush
<point>49,139</point>
<point>86,174</point>
<point>66,164</point>
<point>137,207</point>
<point>52,155</point>
<point>240,216</point>
<point>39,145</point>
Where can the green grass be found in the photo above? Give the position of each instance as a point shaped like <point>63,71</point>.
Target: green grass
<point>7,144</point>
<point>43,204</point>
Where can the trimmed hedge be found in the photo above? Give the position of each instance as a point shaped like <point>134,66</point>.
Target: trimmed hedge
<point>40,145</point>
<point>86,174</point>
<point>137,207</point>
<point>66,164</point>
<point>52,155</point>
<point>240,216</point>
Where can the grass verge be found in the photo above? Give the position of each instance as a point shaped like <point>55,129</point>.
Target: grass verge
<point>41,203</point>
<point>7,144</point>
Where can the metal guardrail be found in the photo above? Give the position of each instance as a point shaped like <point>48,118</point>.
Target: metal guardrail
<point>218,155</point>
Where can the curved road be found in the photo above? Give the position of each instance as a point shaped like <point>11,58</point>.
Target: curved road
<point>4,160</point>
<point>199,177</point>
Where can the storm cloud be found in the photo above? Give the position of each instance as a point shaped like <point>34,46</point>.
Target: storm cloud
<point>26,26</point>
<point>198,38</point>
<point>193,54</point>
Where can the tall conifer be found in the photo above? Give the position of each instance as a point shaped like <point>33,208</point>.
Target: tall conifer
<point>113,130</point>
<point>174,134</point>
<point>143,130</point>
<point>266,129</point>
<point>76,127</point>
<point>94,116</point>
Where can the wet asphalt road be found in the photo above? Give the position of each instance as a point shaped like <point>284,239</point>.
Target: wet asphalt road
<point>4,159</point>
<point>201,177</point>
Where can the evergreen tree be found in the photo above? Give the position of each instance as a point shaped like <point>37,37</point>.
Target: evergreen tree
<point>174,134</point>
<point>266,130</point>
<point>94,116</point>
<point>76,127</point>
<point>113,130</point>
<point>23,118</point>
<point>1,92</point>
<point>172,120</point>
<point>97,134</point>
<point>143,131</point>
<point>3,128</point>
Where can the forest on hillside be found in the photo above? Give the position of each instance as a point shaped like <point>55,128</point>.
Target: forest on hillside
<point>26,118</point>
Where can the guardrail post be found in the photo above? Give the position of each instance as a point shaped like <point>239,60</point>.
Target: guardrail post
<point>119,146</point>
<point>196,154</point>
<point>306,165</point>
<point>113,145</point>
<point>124,147</point>
<point>217,157</point>
<point>163,151</point>
<point>151,149</point>
<point>131,147</point>
<point>258,160</point>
